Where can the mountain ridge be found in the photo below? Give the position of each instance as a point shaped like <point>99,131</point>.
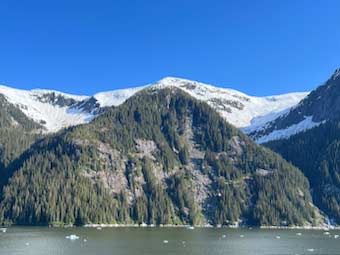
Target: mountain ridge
<point>56,110</point>
<point>318,107</point>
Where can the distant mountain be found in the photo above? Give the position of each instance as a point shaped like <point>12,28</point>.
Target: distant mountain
<point>315,150</point>
<point>56,110</point>
<point>320,106</point>
<point>51,110</point>
<point>161,157</point>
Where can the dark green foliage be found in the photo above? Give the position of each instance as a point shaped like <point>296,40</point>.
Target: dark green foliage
<point>159,205</point>
<point>14,141</point>
<point>48,189</point>
<point>17,133</point>
<point>317,153</point>
<point>184,155</point>
<point>180,191</point>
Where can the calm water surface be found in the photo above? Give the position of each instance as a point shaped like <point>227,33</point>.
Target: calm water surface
<point>150,241</point>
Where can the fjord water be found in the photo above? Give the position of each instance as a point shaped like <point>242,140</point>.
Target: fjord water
<point>151,241</point>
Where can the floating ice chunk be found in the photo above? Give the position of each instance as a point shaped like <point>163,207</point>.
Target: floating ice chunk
<point>224,236</point>
<point>336,236</point>
<point>311,250</point>
<point>278,237</point>
<point>299,234</point>
<point>191,227</point>
<point>241,236</point>
<point>99,228</point>
<point>165,241</point>
<point>72,237</point>
<point>3,230</point>
<point>326,233</point>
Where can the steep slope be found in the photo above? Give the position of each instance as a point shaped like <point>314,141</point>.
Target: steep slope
<point>319,106</point>
<point>56,110</point>
<point>51,109</point>
<point>316,152</point>
<point>162,157</point>
<point>17,132</point>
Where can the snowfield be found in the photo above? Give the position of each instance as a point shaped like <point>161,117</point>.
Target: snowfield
<point>243,111</point>
<point>304,125</point>
<point>52,117</point>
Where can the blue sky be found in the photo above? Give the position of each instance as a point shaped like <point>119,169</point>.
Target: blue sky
<point>260,47</point>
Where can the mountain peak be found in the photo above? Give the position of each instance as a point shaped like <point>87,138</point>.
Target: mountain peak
<point>336,73</point>
<point>170,79</point>
<point>320,106</point>
<point>179,82</point>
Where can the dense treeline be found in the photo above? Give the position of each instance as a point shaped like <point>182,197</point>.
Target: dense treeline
<point>17,133</point>
<point>202,170</point>
<point>316,152</point>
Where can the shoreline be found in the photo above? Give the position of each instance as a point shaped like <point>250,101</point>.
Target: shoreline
<point>211,227</point>
<point>189,227</point>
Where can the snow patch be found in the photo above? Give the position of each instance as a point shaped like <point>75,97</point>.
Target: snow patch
<point>115,97</point>
<point>52,117</point>
<point>305,124</point>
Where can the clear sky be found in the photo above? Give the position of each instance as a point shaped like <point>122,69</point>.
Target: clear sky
<point>260,47</point>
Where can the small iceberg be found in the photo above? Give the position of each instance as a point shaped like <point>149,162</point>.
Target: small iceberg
<point>336,236</point>
<point>99,228</point>
<point>310,250</point>
<point>191,227</point>
<point>241,236</point>
<point>278,237</point>
<point>165,241</point>
<point>72,237</point>
<point>27,244</point>
<point>326,233</point>
<point>3,230</point>
<point>299,234</point>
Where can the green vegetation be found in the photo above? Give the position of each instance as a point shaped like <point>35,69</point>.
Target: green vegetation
<point>162,157</point>
<point>17,133</point>
<point>317,153</point>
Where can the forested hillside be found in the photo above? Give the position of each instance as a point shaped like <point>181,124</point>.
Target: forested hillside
<point>317,153</point>
<point>162,157</point>
<point>17,133</point>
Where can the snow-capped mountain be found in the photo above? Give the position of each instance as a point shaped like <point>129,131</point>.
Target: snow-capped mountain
<point>320,106</point>
<point>52,109</point>
<point>56,110</point>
